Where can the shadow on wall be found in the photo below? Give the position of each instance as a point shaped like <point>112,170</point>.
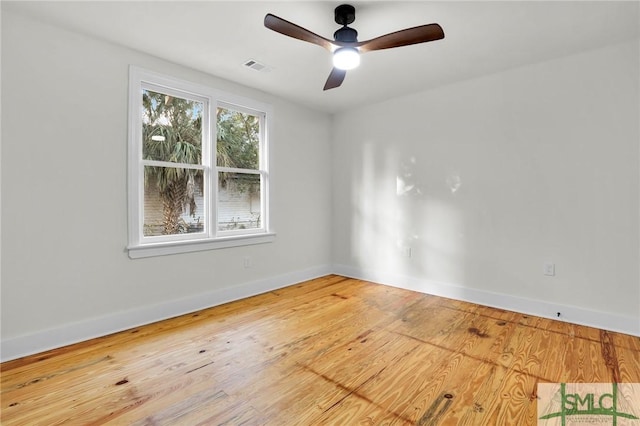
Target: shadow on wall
<point>406,219</point>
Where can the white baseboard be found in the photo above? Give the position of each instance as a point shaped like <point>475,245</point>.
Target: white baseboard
<point>570,314</point>
<point>67,334</point>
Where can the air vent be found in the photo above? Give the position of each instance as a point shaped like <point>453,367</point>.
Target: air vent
<point>255,65</point>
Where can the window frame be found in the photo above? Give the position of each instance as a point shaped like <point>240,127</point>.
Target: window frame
<point>211,238</point>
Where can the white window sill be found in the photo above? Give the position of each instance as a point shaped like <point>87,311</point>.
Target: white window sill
<point>167,248</point>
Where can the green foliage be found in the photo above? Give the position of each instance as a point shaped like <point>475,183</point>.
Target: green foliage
<point>238,139</point>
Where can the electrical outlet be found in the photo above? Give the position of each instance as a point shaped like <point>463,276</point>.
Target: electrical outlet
<point>246,262</point>
<point>549,269</point>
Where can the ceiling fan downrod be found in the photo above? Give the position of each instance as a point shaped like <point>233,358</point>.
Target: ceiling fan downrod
<point>345,14</point>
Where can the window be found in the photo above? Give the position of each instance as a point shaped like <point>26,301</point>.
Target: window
<point>198,175</point>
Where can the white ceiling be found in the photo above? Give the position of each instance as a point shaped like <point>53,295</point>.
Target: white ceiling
<point>217,37</point>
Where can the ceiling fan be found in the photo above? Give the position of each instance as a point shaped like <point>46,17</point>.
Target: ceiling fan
<point>345,46</point>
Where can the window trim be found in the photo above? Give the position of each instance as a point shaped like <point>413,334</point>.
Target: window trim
<point>140,246</point>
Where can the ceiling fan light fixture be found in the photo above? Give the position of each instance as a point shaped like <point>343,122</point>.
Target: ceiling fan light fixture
<point>346,58</point>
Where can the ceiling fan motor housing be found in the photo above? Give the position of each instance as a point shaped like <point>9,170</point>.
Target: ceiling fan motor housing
<point>346,34</point>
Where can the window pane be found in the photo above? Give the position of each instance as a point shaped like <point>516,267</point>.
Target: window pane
<point>239,203</point>
<point>171,128</point>
<point>173,201</point>
<point>238,141</point>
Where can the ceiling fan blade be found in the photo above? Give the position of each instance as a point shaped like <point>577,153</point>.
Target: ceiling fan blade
<point>406,37</point>
<point>290,29</point>
<point>336,77</point>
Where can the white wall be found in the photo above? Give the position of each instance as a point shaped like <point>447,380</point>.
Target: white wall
<point>488,179</point>
<point>65,272</point>
<point>484,181</point>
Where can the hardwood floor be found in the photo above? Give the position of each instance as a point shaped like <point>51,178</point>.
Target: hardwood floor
<point>332,351</point>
